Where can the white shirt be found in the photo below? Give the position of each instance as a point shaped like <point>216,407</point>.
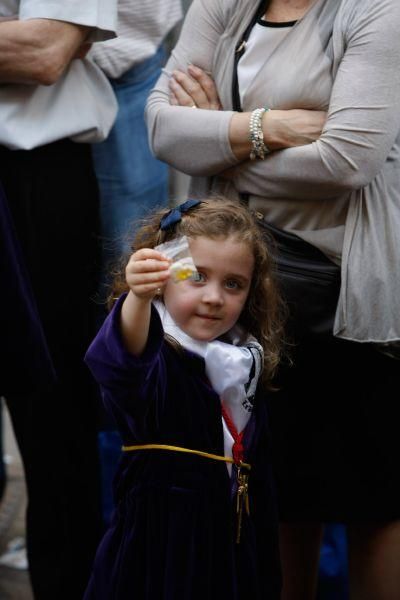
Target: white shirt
<point>261,43</point>
<point>81,104</point>
<point>142,26</point>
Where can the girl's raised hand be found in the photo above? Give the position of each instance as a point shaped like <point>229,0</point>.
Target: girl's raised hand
<point>195,89</point>
<point>146,272</point>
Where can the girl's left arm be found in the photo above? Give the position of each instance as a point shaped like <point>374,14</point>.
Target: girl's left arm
<point>363,118</point>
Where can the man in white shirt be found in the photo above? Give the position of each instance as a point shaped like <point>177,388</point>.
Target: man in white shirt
<point>47,97</point>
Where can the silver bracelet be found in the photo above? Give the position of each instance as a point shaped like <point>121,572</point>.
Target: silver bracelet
<point>259,149</point>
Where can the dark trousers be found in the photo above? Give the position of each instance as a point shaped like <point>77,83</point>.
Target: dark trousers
<point>53,198</point>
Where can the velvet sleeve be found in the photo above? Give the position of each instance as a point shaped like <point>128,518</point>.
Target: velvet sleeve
<point>127,381</point>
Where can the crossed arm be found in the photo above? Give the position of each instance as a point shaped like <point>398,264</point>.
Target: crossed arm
<point>37,51</point>
<point>281,128</point>
<point>218,139</point>
<point>345,153</point>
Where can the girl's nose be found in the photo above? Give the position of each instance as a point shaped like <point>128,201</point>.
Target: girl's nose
<point>213,294</point>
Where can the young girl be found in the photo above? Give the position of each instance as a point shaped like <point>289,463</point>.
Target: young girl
<point>178,364</point>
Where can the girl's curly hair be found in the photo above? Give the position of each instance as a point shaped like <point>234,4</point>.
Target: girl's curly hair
<point>216,218</point>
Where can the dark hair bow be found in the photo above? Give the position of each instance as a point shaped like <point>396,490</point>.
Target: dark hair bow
<point>175,215</point>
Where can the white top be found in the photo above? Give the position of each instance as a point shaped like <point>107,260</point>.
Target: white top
<point>261,43</point>
<point>81,104</point>
<point>142,26</point>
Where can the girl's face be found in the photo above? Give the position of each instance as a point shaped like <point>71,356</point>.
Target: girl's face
<point>207,308</point>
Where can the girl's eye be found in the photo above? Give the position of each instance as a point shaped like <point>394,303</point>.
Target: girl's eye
<point>232,284</point>
<point>198,277</point>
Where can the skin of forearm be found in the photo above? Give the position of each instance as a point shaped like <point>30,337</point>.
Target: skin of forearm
<point>135,323</point>
<point>239,135</point>
<point>291,128</point>
<point>37,51</point>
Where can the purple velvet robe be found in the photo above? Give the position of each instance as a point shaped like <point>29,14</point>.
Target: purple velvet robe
<point>172,536</point>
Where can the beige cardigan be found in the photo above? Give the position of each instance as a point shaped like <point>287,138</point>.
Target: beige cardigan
<point>356,160</point>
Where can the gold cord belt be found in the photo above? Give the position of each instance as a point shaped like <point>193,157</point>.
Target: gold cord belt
<point>226,459</point>
<point>242,477</point>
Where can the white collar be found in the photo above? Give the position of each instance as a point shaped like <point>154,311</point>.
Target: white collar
<point>233,368</point>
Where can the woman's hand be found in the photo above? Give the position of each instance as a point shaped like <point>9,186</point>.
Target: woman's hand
<point>195,89</point>
<point>146,272</point>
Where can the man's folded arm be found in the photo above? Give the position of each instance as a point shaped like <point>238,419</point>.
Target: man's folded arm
<point>37,51</point>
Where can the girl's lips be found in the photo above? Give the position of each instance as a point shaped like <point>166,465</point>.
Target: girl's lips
<point>209,317</point>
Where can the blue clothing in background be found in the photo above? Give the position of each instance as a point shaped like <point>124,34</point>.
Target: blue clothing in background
<point>333,581</point>
<point>109,443</point>
<point>131,180</point>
